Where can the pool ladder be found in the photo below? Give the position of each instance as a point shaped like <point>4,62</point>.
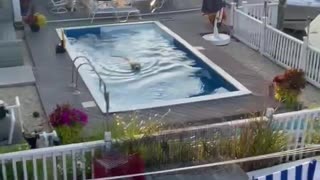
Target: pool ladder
<point>74,79</point>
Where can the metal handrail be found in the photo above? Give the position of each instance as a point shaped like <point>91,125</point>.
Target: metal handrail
<point>74,61</point>
<point>101,82</point>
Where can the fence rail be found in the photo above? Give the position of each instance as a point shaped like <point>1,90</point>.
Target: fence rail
<point>312,67</point>
<point>250,37</point>
<point>299,127</point>
<point>258,11</point>
<point>282,48</point>
<point>61,162</point>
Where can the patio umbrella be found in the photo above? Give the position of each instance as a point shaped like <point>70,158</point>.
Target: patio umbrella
<point>314,32</point>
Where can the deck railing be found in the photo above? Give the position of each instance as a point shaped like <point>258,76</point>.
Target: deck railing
<point>60,162</point>
<point>258,11</point>
<point>250,37</point>
<point>312,65</point>
<point>278,46</point>
<point>74,161</point>
<point>283,49</point>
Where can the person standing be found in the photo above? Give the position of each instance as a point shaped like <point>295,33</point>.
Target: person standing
<point>210,9</point>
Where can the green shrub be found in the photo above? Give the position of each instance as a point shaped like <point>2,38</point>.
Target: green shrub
<point>69,135</point>
<point>68,122</point>
<point>256,138</point>
<point>313,131</point>
<point>13,148</point>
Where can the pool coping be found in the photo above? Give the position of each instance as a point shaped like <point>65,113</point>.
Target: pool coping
<point>241,90</point>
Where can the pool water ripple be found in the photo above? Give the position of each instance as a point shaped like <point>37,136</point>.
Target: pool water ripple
<point>167,71</point>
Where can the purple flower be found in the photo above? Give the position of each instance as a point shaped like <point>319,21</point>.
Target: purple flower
<point>64,115</point>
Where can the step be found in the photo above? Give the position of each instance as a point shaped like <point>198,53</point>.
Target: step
<point>16,76</point>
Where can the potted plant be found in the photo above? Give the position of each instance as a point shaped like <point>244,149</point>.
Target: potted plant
<point>35,20</point>
<point>68,123</point>
<point>288,87</point>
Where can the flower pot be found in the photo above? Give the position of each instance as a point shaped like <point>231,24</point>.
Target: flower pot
<point>35,27</point>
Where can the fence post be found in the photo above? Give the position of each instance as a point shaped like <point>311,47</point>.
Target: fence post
<point>269,114</point>
<point>265,9</point>
<point>303,54</point>
<point>263,34</point>
<point>274,15</point>
<point>107,140</point>
<point>231,14</point>
<point>244,7</point>
<point>17,17</point>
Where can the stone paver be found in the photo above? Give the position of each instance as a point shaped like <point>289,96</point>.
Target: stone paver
<point>16,76</point>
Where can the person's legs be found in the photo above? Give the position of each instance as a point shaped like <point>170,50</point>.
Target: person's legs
<point>211,18</point>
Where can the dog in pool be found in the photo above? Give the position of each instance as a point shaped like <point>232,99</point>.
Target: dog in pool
<point>135,66</point>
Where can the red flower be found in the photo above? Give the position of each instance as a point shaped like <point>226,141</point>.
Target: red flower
<point>292,79</point>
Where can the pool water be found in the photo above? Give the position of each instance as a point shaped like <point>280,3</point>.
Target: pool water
<point>169,70</point>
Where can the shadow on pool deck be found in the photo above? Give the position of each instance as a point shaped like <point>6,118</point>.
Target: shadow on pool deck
<point>53,75</point>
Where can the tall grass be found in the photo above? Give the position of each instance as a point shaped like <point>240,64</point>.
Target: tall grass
<point>136,137</point>
<point>134,126</point>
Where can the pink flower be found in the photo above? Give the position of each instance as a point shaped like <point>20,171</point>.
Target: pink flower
<point>64,115</point>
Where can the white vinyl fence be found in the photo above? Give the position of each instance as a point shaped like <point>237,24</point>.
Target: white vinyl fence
<point>312,65</point>
<point>299,126</point>
<point>60,162</point>
<point>278,46</point>
<point>74,161</point>
<point>283,49</point>
<point>259,10</point>
<point>250,37</point>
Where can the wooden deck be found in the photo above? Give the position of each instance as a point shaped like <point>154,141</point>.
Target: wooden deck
<point>53,75</point>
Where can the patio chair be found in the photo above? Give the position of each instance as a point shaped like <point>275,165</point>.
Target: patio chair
<point>58,6</point>
<point>113,7</point>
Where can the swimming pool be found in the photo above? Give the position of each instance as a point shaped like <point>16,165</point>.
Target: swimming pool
<point>172,71</point>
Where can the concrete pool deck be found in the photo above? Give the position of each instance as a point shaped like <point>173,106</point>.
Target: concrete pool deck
<point>53,75</point>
